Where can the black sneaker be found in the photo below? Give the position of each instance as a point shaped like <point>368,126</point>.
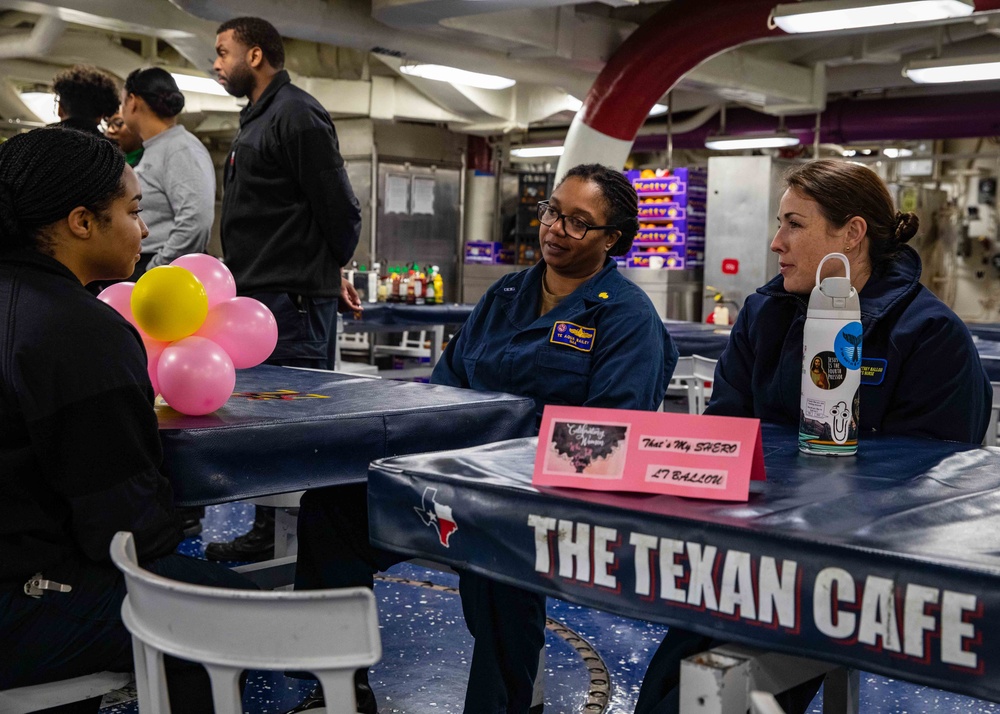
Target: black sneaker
<point>254,546</point>
<point>191,520</point>
<point>362,693</point>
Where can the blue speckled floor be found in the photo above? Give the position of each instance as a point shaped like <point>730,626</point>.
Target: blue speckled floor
<point>426,651</point>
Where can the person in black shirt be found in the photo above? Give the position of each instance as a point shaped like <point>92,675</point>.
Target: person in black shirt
<point>289,220</point>
<point>86,96</point>
<point>79,444</point>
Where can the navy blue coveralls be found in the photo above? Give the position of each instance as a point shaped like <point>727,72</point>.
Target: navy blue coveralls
<point>922,377</point>
<point>620,356</point>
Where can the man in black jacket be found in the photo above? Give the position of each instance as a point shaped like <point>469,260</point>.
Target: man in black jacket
<point>290,220</point>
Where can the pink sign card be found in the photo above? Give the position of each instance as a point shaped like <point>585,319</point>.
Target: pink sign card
<point>694,456</point>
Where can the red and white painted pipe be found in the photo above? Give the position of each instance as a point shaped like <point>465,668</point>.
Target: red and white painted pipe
<point>651,61</point>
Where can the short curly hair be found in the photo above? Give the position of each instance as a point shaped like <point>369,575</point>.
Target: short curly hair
<point>86,92</point>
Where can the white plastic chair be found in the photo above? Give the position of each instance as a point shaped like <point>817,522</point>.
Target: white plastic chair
<point>994,426</point>
<point>700,383</point>
<point>330,633</point>
<point>66,691</point>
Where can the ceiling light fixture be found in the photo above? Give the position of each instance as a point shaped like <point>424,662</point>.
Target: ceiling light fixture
<point>42,105</point>
<point>457,76</point>
<point>721,142</point>
<point>960,69</point>
<point>830,15</point>
<point>537,152</point>
<point>194,83</point>
<point>735,142</point>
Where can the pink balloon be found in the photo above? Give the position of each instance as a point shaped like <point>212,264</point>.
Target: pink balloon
<point>154,348</point>
<point>244,328</point>
<point>195,375</point>
<point>119,296</point>
<point>212,273</point>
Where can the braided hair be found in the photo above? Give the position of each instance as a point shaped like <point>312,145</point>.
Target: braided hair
<point>158,89</point>
<point>86,92</point>
<point>844,190</point>
<point>620,199</point>
<point>46,173</point>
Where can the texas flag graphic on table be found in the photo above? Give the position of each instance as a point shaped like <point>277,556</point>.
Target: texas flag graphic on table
<point>436,514</point>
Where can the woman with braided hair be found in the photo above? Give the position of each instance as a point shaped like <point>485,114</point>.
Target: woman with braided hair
<point>79,449</point>
<point>921,373</point>
<point>568,331</point>
<point>176,172</point>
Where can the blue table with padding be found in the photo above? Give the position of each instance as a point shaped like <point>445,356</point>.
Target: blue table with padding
<point>287,430</point>
<point>888,561</point>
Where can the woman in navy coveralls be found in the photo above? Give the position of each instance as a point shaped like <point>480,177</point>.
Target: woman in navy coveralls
<point>912,342</point>
<point>569,331</point>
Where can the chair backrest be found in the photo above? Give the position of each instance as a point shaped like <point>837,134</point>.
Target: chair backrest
<point>700,384</point>
<point>330,633</point>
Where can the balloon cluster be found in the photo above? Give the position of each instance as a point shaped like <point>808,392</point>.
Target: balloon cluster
<point>196,331</point>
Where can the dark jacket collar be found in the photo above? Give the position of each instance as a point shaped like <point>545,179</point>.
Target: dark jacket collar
<point>884,289</point>
<point>32,258</point>
<point>255,109</point>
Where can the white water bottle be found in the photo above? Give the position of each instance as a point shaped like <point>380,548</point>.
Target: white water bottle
<point>831,366</point>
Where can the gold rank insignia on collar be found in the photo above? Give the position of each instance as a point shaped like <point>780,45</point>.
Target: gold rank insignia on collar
<point>602,295</point>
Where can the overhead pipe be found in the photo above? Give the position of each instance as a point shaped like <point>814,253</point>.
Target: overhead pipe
<point>651,61</point>
<point>349,24</point>
<point>848,121</point>
<point>34,44</point>
<point>648,64</point>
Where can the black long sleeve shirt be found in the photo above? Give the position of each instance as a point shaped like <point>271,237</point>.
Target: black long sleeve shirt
<point>290,219</point>
<point>79,446</point>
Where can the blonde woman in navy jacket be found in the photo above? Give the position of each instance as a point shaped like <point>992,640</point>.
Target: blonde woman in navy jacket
<point>923,375</point>
<point>569,331</point>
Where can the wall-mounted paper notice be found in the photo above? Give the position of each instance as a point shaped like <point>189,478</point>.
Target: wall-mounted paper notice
<point>423,194</point>
<point>397,194</point>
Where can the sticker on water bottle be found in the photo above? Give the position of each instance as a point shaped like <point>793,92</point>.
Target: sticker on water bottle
<point>826,371</point>
<point>847,345</point>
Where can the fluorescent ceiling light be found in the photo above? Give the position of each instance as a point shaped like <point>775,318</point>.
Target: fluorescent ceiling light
<point>965,69</point>
<point>827,15</point>
<point>42,105</point>
<point>193,83</point>
<point>537,152</point>
<point>657,110</point>
<point>750,141</point>
<point>897,153</point>
<point>457,76</point>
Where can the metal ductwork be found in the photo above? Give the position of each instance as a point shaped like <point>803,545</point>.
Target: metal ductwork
<point>347,23</point>
<point>848,121</point>
<point>651,61</point>
<point>641,72</point>
<point>36,43</point>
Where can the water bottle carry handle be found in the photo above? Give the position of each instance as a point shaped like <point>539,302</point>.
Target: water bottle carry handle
<point>839,256</point>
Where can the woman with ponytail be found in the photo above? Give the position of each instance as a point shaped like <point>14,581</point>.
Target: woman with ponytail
<point>176,171</point>
<point>921,373</point>
<point>79,443</point>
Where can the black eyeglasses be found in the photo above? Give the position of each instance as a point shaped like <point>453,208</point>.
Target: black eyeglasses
<point>573,227</point>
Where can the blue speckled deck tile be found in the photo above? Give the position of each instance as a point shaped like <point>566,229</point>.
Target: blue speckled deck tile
<point>426,652</point>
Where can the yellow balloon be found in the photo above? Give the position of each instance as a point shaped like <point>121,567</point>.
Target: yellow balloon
<point>169,303</point>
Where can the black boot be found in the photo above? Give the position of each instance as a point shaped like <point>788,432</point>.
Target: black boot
<point>253,546</point>
<point>362,692</point>
<point>191,520</point>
